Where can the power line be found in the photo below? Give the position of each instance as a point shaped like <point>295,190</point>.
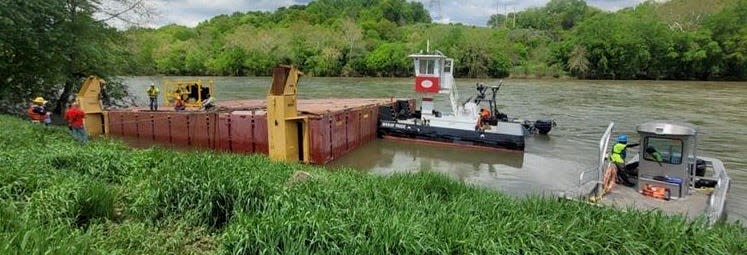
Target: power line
<point>435,6</point>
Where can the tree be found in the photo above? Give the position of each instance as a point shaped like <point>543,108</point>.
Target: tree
<point>54,44</point>
<point>29,61</point>
<point>388,59</point>
<point>352,34</point>
<point>730,31</point>
<point>566,13</point>
<point>497,20</point>
<point>578,62</point>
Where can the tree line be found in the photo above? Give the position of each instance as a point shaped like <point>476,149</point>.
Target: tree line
<point>679,39</point>
<point>49,46</point>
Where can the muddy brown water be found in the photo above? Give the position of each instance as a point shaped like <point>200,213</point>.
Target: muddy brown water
<point>551,164</point>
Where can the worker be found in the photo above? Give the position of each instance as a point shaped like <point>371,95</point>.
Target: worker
<point>74,117</point>
<point>619,152</point>
<point>177,93</point>
<point>483,120</point>
<point>153,95</point>
<point>478,124</point>
<point>38,111</point>
<point>652,153</point>
<point>48,119</point>
<point>179,104</point>
<point>208,104</point>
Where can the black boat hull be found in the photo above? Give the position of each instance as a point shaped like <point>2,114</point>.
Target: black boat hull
<point>450,135</point>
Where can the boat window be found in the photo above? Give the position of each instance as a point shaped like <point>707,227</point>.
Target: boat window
<point>427,66</point>
<point>447,66</point>
<point>664,150</point>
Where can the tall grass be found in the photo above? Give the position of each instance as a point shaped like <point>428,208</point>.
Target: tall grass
<point>23,236</point>
<point>105,198</point>
<point>72,202</point>
<point>204,189</point>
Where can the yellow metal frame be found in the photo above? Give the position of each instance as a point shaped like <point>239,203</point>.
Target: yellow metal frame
<point>185,87</point>
<point>287,132</point>
<point>89,98</point>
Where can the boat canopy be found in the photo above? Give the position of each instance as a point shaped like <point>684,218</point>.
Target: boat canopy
<point>663,128</point>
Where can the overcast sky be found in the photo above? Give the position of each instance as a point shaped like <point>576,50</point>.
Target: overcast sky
<point>472,12</point>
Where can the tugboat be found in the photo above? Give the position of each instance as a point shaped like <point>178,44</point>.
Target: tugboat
<point>668,177</point>
<point>466,125</point>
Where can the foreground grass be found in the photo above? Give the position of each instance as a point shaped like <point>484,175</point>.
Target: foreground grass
<point>104,198</point>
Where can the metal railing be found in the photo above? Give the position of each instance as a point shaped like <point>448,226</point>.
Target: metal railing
<point>717,201</point>
<point>598,172</point>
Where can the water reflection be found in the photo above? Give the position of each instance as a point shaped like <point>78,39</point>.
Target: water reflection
<point>381,155</point>
<point>516,173</point>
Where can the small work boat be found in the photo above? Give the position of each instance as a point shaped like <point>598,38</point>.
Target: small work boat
<point>468,124</point>
<point>667,174</point>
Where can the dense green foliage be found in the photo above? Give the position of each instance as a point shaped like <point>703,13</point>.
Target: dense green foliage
<point>636,44</point>
<point>48,47</point>
<point>324,38</point>
<point>104,198</point>
<point>679,39</point>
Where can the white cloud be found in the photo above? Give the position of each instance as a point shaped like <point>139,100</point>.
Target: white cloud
<point>471,12</point>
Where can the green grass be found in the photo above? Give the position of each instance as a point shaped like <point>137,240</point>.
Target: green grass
<point>105,198</point>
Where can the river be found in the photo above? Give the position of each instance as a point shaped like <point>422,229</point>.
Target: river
<point>550,164</point>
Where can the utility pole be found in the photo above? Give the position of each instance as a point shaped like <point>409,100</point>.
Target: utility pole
<point>499,11</point>
<point>435,6</point>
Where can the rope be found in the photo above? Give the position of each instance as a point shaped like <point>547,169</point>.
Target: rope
<point>608,183</point>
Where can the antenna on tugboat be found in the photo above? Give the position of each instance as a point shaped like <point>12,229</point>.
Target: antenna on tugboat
<point>427,46</point>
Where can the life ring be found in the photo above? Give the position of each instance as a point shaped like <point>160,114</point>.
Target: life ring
<point>426,84</point>
<point>608,183</point>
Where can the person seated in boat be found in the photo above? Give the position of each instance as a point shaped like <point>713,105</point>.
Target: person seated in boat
<point>619,152</point>
<point>482,120</point>
<point>652,154</point>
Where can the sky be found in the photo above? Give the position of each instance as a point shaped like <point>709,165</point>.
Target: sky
<point>470,12</point>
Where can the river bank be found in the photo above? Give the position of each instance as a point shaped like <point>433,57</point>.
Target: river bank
<point>105,197</point>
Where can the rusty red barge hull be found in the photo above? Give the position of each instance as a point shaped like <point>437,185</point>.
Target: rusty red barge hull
<point>337,126</point>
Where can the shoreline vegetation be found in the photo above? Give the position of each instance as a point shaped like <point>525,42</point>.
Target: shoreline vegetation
<point>654,40</point>
<point>670,40</point>
<point>62,198</point>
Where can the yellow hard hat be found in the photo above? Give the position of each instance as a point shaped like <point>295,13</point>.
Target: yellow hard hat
<point>39,100</point>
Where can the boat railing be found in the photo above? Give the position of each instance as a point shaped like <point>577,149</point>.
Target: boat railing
<point>453,100</point>
<point>596,175</point>
<point>717,201</point>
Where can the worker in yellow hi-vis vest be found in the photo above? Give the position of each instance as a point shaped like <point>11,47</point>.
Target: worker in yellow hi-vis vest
<point>153,95</point>
<point>619,152</point>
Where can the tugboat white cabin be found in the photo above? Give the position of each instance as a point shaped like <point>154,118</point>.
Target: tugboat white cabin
<point>434,75</point>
